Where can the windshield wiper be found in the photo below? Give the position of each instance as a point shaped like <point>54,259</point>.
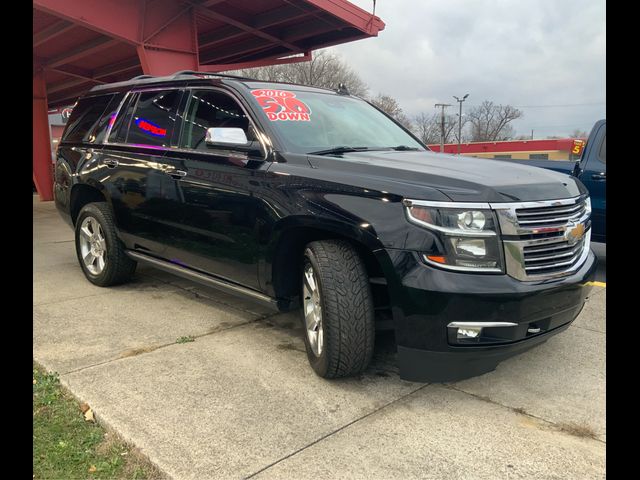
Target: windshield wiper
<point>345,149</point>
<point>339,150</point>
<point>404,148</point>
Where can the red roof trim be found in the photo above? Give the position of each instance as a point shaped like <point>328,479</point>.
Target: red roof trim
<point>564,144</point>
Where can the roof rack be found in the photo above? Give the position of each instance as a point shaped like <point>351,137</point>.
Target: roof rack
<point>188,72</point>
<point>195,72</point>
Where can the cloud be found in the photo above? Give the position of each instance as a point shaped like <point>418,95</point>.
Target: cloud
<point>519,52</point>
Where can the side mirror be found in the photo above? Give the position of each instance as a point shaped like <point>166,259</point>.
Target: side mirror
<point>233,138</point>
<point>226,137</point>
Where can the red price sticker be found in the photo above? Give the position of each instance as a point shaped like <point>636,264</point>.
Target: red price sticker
<point>280,105</point>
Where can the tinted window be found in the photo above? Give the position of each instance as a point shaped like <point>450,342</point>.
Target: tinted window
<point>603,150</point>
<point>503,157</point>
<point>107,118</point>
<point>209,109</point>
<point>154,118</point>
<point>538,156</point>
<point>84,118</point>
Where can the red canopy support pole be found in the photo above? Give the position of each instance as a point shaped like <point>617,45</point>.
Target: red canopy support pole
<point>173,45</point>
<point>42,160</point>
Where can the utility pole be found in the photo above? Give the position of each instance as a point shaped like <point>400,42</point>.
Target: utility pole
<point>460,119</point>
<point>532,134</point>
<point>443,105</point>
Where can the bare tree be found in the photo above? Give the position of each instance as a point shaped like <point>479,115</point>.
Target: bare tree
<point>428,128</point>
<point>453,132</point>
<point>577,133</point>
<point>325,69</point>
<point>391,106</point>
<point>490,122</point>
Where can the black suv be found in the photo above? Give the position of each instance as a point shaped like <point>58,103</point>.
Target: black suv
<point>302,197</point>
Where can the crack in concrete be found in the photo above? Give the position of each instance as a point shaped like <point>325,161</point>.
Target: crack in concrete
<point>333,432</point>
<point>590,329</point>
<point>521,411</point>
<point>145,350</point>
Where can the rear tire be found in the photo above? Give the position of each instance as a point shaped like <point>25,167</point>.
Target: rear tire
<point>100,252</point>
<point>337,309</point>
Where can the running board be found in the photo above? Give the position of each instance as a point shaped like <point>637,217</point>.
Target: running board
<point>203,278</point>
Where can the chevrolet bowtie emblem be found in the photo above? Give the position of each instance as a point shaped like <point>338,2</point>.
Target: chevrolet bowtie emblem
<point>573,235</point>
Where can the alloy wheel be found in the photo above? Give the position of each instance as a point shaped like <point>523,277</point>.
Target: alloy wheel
<point>93,246</point>
<point>312,306</point>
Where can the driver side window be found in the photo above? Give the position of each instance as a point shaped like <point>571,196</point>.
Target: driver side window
<point>207,109</point>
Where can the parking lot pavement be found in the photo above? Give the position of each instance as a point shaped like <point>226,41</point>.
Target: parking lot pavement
<point>240,400</point>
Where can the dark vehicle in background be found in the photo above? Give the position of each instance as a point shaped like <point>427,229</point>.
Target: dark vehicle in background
<point>312,199</point>
<point>591,169</point>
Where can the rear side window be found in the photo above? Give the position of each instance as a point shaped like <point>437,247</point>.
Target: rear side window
<point>84,119</point>
<point>154,118</point>
<point>107,119</point>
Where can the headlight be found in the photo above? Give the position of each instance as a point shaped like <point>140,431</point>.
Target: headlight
<point>467,233</point>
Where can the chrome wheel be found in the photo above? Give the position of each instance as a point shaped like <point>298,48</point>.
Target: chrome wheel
<point>312,310</point>
<point>93,247</point>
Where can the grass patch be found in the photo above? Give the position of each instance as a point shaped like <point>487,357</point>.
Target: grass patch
<point>66,446</point>
<point>186,339</point>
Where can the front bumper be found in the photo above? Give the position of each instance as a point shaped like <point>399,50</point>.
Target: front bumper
<point>426,300</point>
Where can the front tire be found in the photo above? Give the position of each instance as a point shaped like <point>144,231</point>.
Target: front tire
<point>337,310</point>
<point>100,252</point>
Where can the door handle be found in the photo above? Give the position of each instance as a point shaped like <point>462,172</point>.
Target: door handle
<point>111,163</point>
<point>176,174</point>
<point>599,176</point>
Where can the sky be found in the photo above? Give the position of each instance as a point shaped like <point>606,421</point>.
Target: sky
<point>547,57</point>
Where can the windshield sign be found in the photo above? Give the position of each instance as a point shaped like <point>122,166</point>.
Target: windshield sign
<point>280,105</point>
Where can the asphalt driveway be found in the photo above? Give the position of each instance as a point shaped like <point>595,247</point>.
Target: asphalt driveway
<point>240,400</point>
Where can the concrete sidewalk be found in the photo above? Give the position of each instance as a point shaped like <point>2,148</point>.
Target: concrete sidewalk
<point>241,401</point>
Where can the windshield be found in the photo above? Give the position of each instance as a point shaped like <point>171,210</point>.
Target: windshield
<point>315,122</point>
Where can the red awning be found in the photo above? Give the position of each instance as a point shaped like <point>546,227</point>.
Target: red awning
<point>79,44</point>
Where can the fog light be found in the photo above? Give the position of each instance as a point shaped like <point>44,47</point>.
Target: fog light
<point>468,333</point>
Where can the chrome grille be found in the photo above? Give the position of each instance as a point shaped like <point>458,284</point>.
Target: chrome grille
<point>552,257</point>
<point>544,239</point>
<point>549,216</point>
